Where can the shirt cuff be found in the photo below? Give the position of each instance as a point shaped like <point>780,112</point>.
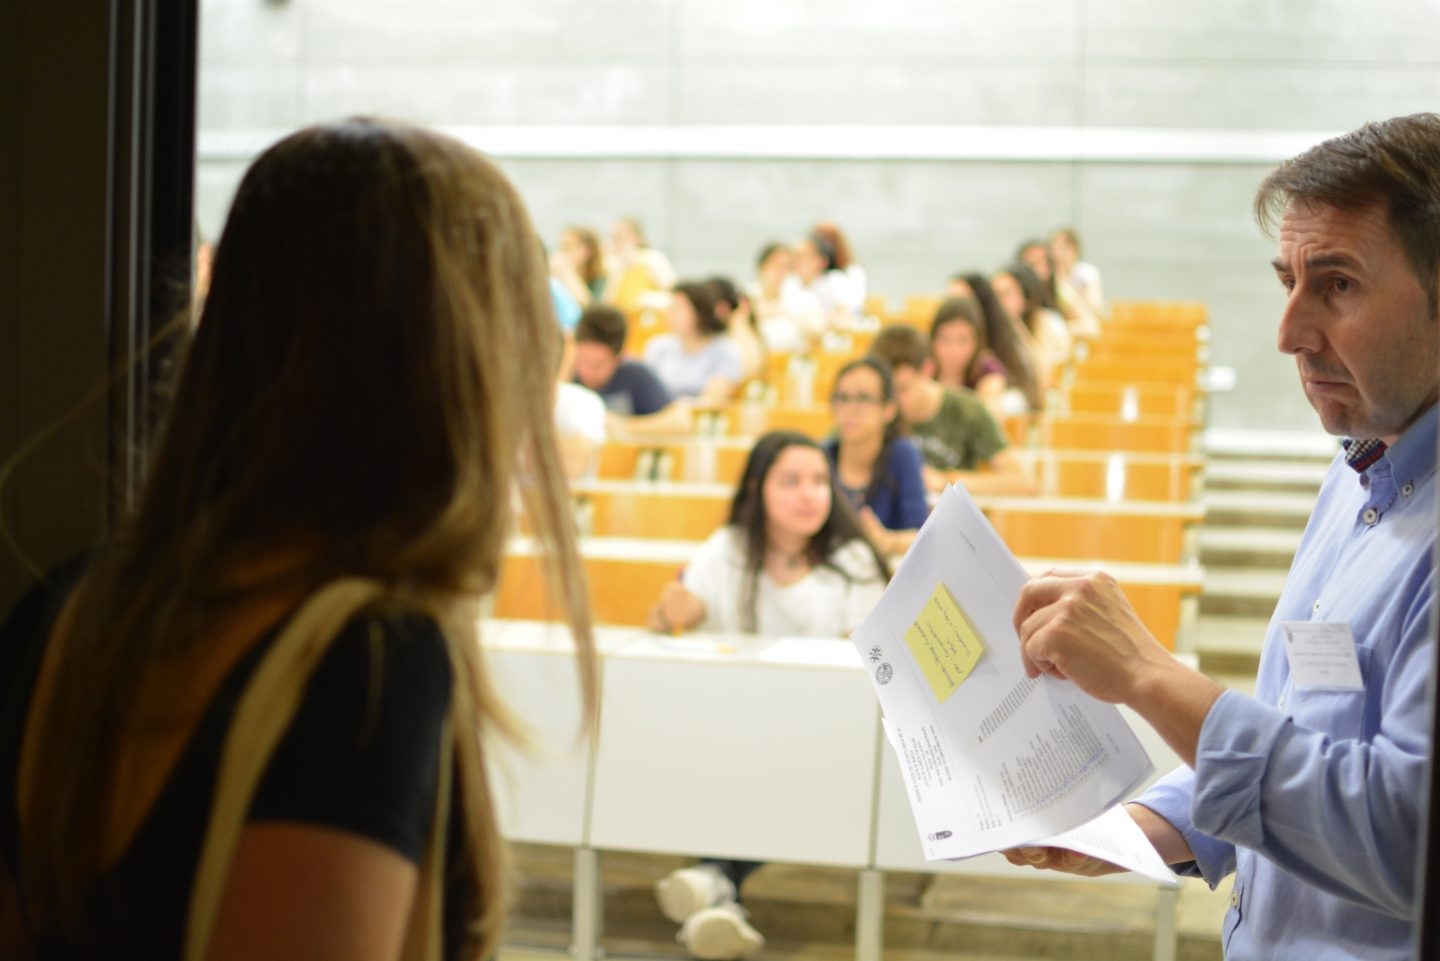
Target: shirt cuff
<point>1231,758</point>
<point>1172,798</point>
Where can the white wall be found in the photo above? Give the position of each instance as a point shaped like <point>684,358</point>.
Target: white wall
<point>1173,222</point>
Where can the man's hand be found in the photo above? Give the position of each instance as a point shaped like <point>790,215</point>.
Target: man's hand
<point>1060,859</point>
<point>1168,843</point>
<point>1082,628</point>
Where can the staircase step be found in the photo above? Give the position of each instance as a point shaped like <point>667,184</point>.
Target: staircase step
<point>1243,508</point>
<point>807,912</point>
<point>1230,644</point>
<point>1241,592</point>
<point>1223,443</point>
<point>1264,548</point>
<point>1265,475</point>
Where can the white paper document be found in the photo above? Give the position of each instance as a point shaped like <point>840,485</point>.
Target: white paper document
<point>992,759</point>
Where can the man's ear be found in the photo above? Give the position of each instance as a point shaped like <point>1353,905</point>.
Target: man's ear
<point>927,368</point>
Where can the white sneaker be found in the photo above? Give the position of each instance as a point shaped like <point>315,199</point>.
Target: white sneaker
<point>720,933</point>
<point>681,893</point>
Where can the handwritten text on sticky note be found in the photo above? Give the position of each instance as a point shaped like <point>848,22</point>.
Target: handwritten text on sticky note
<point>944,643</point>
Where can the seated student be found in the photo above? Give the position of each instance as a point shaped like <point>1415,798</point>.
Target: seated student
<point>633,395</point>
<point>735,310</point>
<point>876,468</point>
<point>636,274</point>
<point>792,560</point>
<point>696,359</point>
<point>1077,283</point>
<point>1024,297</point>
<point>788,316</point>
<point>956,435</point>
<point>579,417</point>
<point>578,265</point>
<point>961,355</point>
<point>1006,337</point>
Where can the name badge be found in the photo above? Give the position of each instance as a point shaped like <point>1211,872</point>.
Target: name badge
<point>1322,656</point>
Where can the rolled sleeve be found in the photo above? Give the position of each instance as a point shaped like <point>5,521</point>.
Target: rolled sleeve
<point>1172,798</point>
<point>1236,743</point>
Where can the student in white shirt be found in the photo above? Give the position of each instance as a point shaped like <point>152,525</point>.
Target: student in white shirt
<point>791,560</point>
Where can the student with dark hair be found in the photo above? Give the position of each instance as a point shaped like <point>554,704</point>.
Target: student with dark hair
<point>956,434</point>
<point>792,560</point>
<point>825,268</point>
<point>253,730</point>
<point>737,313</point>
<point>1003,334</point>
<point>877,470</point>
<point>1020,292</point>
<point>634,396</point>
<point>695,359</point>
<point>961,355</point>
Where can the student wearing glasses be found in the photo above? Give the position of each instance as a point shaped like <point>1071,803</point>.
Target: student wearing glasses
<point>876,469</point>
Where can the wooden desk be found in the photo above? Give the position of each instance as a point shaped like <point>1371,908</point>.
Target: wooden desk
<point>1115,477</point>
<point>1132,400</point>
<point>1147,532</point>
<point>704,459</point>
<point>1109,371</point>
<point>1115,434</point>
<point>626,575</point>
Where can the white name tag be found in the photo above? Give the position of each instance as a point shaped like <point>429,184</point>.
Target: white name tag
<point>1322,656</point>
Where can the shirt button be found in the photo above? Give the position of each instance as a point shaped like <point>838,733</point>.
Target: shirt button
<point>1316,607</point>
<point>1408,489</point>
<point>1235,899</point>
<point>1370,516</point>
<point>1280,703</point>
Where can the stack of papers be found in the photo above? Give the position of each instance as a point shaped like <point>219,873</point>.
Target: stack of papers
<point>992,759</point>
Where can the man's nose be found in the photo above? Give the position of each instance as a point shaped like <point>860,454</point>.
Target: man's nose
<point>1299,332</point>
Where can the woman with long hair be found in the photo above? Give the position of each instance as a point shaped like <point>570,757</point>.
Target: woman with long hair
<point>256,727</point>
<point>579,264</point>
<point>1021,293</point>
<point>876,469</point>
<point>961,352</point>
<point>792,560</point>
<point>1002,332</point>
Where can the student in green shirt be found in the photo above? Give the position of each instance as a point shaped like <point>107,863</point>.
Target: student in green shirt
<point>957,436</point>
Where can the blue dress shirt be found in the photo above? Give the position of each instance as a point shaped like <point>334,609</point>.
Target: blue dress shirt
<point>1314,799</point>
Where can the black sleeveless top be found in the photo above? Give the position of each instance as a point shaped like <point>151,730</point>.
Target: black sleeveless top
<point>361,755</point>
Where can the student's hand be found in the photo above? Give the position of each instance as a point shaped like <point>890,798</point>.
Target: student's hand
<point>1081,627</point>
<point>877,533</point>
<point>676,610</point>
<point>934,478</point>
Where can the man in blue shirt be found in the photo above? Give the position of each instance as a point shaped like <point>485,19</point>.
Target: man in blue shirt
<point>1312,792</point>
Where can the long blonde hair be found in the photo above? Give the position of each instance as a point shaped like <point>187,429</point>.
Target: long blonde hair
<point>369,380</point>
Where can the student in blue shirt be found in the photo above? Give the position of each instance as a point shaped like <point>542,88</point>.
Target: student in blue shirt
<point>1312,796</point>
<point>877,469</point>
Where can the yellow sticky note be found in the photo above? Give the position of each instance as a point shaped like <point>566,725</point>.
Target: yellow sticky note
<point>944,643</point>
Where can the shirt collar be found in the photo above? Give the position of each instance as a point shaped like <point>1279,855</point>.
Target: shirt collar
<point>1412,456</point>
